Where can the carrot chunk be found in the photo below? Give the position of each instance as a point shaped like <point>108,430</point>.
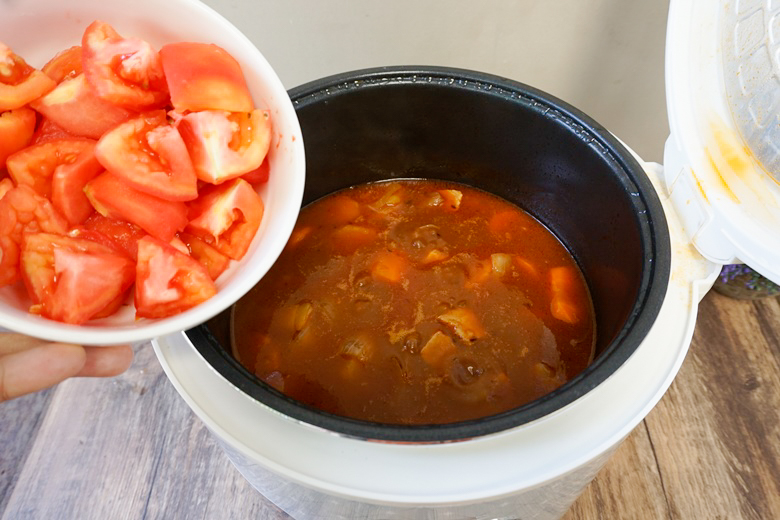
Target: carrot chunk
<point>563,280</point>
<point>297,235</point>
<point>341,209</point>
<point>389,267</point>
<point>477,273</point>
<point>564,310</point>
<point>348,239</point>
<point>528,267</point>
<point>505,223</point>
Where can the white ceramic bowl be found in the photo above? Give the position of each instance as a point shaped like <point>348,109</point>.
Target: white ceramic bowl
<point>38,29</point>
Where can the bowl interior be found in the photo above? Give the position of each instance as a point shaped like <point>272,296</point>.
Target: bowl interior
<point>38,29</point>
<point>513,141</point>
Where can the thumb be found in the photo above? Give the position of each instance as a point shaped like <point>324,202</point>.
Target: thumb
<point>38,368</point>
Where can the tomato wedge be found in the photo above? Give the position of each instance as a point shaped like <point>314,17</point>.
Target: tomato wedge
<point>203,76</point>
<point>67,186</point>
<point>6,185</point>
<point>259,175</point>
<point>48,130</point>
<point>34,166</point>
<point>64,65</point>
<point>72,279</point>
<point>124,71</point>
<point>226,145</point>
<point>208,256</point>
<point>78,111</point>
<point>123,234</point>
<point>16,131</point>
<point>114,198</point>
<point>227,217</point>
<point>149,155</point>
<point>23,211</point>
<point>168,281</point>
<point>19,82</point>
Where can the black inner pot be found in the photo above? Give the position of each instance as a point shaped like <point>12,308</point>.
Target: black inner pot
<point>506,138</point>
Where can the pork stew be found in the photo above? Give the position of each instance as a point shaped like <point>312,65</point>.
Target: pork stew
<point>417,302</point>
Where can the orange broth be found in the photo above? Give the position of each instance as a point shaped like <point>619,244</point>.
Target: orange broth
<point>417,302</point>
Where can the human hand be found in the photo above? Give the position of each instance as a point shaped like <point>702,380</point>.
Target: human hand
<point>28,364</point>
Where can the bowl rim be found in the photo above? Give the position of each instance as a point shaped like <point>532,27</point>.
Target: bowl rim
<point>656,269</point>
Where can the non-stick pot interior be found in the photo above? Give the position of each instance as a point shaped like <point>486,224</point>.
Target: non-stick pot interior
<point>508,139</point>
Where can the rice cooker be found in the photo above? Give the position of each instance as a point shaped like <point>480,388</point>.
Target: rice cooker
<point>720,192</point>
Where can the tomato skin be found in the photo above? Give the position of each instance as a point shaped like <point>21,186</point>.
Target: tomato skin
<point>203,76</point>
<point>149,155</point>
<point>223,145</point>
<point>120,232</point>
<point>127,72</point>
<point>72,279</point>
<point>114,198</point>
<point>76,109</point>
<point>16,131</point>
<point>227,217</point>
<point>19,82</point>
<point>23,211</point>
<point>64,65</point>
<point>34,166</point>
<point>168,281</point>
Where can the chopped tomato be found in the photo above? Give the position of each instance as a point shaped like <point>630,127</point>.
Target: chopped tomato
<point>124,71</point>
<point>16,131</point>
<point>99,237</point>
<point>258,175</point>
<point>227,216</point>
<point>226,145</point>
<point>124,234</point>
<point>6,185</point>
<point>203,76</point>
<point>34,166</point>
<point>19,82</point>
<point>65,65</point>
<point>78,111</point>
<point>48,130</point>
<point>149,155</point>
<point>208,256</point>
<point>114,198</point>
<point>168,281</point>
<point>23,211</point>
<point>72,279</point>
<point>68,182</point>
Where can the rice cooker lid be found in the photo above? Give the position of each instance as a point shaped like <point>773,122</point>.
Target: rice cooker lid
<point>722,160</point>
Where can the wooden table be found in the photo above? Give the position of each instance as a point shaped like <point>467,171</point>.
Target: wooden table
<point>130,448</point>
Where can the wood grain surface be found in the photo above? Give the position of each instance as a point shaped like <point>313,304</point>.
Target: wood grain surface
<point>129,448</point>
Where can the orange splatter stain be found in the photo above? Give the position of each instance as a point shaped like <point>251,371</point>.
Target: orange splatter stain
<point>721,180</point>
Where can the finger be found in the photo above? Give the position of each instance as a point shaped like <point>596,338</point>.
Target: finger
<point>106,361</point>
<point>38,367</point>
<point>11,342</point>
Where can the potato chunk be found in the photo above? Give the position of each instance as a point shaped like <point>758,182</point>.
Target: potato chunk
<point>437,350</point>
<point>463,322</point>
<point>451,198</point>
